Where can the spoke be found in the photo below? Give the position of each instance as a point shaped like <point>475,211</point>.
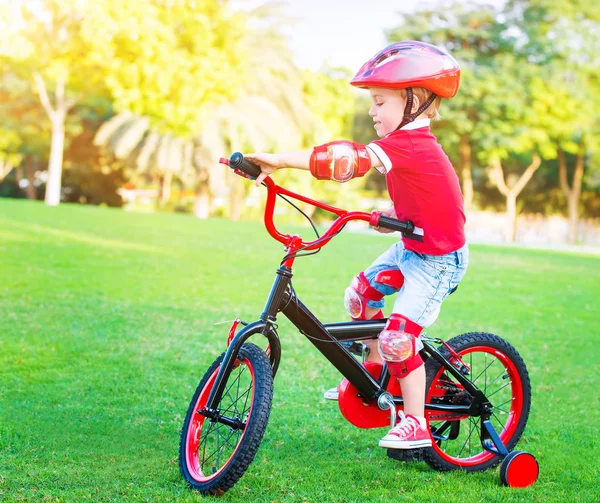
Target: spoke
<point>246,393</point>
<point>238,387</point>
<point>500,423</point>
<point>227,391</point>
<point>215,431</point>
<point>219,448</point>
<point>499,375</point>
<point>203,439</point>
<point>468,438</point>
<point>246,408</point>
<point>499,389</point>
<point>470,441</point>
<point>501,409</point>
<point>485,371</point>
<point>205,458</point>
<point>471,363</point>
<point>507,401</point>
<point>443,427</point>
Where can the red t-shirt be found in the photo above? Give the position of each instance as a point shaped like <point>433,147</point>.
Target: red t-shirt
<point>423,187</point>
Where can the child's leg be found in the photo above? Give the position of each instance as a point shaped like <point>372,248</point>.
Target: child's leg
<point>387,261</point>
<point>373,355</point>
<point>413,392</point>
<point>427,282</point>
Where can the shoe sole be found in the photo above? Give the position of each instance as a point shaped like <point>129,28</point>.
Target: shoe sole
<point>331,397</point>
<point>416,444</point>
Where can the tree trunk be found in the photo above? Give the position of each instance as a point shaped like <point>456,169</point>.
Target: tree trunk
<point>30,189</point>
<point>56,159</point>
<point>158,183</point>
<point>5,168</point>
<point>57,115</point>
<point>202,202</point>
<point>465,171</point>
<point>573,202</point>
<point>573,191</point>
<point>496,175</point>
<point>511,217</point>
<point>165,188</point>
<point>19,175</point>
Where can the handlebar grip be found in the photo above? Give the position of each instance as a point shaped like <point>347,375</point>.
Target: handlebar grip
<point>237,161</point>
<point>396,225</point>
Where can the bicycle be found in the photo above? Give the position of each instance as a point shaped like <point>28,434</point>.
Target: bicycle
<point>477,383</point>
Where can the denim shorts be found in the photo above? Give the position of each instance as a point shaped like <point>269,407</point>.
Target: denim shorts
<point>428,280</point>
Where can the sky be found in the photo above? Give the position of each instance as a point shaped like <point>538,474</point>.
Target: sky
<point>344,32</point>
<point>341,33</point>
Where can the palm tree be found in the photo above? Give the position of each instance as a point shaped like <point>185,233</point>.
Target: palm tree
<point>162,156</point>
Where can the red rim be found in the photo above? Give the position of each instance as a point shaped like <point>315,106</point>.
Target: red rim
<point>194,431</point>
<point>513,415</point>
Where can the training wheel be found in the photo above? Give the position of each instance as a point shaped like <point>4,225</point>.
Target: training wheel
<point>519,469</point>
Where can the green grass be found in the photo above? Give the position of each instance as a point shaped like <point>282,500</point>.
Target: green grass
<point>107,325</point>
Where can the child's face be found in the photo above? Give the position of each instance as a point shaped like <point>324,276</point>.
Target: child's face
<point>387,110</point>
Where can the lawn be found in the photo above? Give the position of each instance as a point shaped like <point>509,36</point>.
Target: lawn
<point>107,323</point>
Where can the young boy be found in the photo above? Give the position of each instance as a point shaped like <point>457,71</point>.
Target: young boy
<point>407,81</point>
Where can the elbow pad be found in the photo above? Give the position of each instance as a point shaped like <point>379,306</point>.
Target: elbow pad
<point>339,161</point>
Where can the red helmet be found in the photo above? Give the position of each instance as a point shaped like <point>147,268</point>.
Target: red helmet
<point>411,64</point>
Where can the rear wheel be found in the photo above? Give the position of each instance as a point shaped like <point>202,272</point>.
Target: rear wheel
<point>498,370</point>
<point>213,455</point>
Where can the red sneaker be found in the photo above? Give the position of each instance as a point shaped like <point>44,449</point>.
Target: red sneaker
<point>407,434</point>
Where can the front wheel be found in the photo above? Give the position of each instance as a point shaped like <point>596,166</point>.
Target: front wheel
<point>498,370</point>
<point>213,455</point>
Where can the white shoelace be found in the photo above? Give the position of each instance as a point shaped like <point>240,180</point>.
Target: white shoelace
<point>405,426</point>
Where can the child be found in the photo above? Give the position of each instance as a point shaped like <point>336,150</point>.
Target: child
<point>407,81</point>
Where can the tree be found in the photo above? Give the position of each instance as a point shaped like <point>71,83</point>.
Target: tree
<point>261,107</point>
<point>506,111</point>
<point>137,52</point>
<point>60,73</point>
<point>472,34</point>
<point>9,152</point>
<point>24,132</point>
<point>564,37</point>
<point>162,156</point>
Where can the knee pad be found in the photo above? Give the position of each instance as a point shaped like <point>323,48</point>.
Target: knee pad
<point>358,294</point>
<point>390,277</point>
<point>397,345</point>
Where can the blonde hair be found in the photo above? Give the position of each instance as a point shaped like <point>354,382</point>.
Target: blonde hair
<point>433,110</point>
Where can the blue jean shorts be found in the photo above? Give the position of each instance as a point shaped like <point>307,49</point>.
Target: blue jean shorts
<point>428,280</point>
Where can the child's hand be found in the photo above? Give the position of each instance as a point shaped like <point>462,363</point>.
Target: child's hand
<point>268,163</point>
<point>391,212</point>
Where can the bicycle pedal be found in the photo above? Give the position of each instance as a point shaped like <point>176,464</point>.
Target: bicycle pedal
<point>407,455</point>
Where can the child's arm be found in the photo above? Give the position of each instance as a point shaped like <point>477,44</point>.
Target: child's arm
<point>269,163</point>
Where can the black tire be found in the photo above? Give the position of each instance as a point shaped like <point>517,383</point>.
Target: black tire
<point>486,355</point>
<point>213,456</point>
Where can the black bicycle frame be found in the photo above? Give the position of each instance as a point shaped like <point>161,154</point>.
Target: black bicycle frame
<point>326,338</point>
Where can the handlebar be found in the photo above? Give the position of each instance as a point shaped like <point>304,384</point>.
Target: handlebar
<point>248,169</point>
<point>238,162</point>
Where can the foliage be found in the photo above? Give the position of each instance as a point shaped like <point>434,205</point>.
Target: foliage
<point>164,60</point>
<point>184,83</point>
<point>91,176</point>
<point>528,75</point>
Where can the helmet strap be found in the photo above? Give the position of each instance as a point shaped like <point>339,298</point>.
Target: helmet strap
<point>409,117</point>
